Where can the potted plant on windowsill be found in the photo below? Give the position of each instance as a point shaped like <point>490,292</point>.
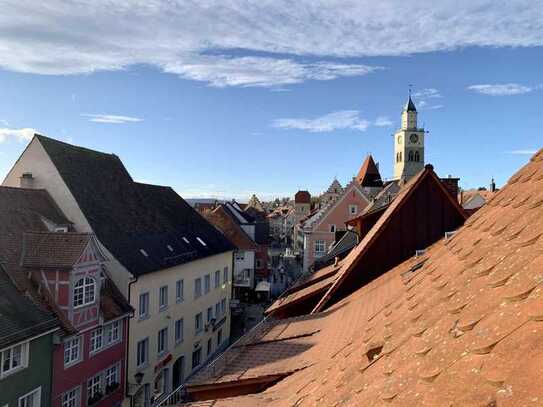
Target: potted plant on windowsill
<point>110,388</point>
<point>95,398</point>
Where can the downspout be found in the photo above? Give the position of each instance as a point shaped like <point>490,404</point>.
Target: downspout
<point>127,385</point>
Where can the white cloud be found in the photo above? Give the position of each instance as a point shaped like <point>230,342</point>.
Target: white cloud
<point>343,119</point>
<point>112,119</point>
<point>383,121</point>
<point>220,71</point>
<point>522,152</point>
<point>239,43</point>
<point>427,93</point>
<point>504,89</point>
<point>24,134</point>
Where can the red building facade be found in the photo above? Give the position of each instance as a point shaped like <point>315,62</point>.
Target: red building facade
<point>89,360</point>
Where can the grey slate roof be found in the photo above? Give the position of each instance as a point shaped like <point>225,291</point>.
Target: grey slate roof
<point>20,319</point>
<point>340,249</point>
<point>128,217</point>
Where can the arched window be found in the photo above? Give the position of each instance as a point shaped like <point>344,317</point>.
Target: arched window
<point>401,156</point>
<point>397,157</point>
<point>84,291</point>
<point>417,156</point>
<point>410,156</point>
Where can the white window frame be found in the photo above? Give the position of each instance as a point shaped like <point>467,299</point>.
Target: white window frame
<point>353,209</point>
<point>217,278</point>
<point>198,323</point>
<point>94,386</point>
<point>69,348</point>
<point>179,328</point>
<point>240,255</point>
<point>162,341</point>
<point>209,314</point>
<point>146,304</point>
<point>207,283</point>
<point>112,372</point>
<point>113,332</point>
<point>72,398</point>
<point>96,340</point>
<point>80,293</point>
<point>23,359</point>
<point>179,291</point>
<point>22,400</point>
<point>197,287</point>
<point>320,247</point>
<point>163,298</point>
<point>145,361</point>
<point>225,274</point>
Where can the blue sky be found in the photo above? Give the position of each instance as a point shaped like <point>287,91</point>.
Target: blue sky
<point>223,99</point>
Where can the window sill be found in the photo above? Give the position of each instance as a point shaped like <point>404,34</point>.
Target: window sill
<point>143,317</point>
<point>179,342</point>
<point>163,308</point>
<point>179,300</point>
<point>71,364</point>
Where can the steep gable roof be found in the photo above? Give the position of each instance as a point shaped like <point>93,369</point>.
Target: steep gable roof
<point>53,250</point>
<point>128,217</point>
<point>427,235</point>
<point>368,175</point>
<point>464,328</point>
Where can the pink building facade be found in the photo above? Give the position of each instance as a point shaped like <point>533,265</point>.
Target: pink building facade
<point>319,231</point>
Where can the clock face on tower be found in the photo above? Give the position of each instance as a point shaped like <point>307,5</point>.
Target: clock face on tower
<point>414,138</point>
<point>399,139</point>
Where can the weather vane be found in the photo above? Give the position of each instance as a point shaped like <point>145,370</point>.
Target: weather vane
<point>410,88</point>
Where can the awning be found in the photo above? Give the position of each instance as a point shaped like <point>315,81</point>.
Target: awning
<point>263,286</point>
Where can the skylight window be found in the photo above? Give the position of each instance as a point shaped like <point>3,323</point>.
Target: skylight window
<point>186,240</point>
<point>144,253</point>
<point>201,242</point>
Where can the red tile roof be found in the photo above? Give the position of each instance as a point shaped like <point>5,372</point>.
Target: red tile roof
<point>368,175</point>
<point>302,197</point>
<point>52,249</point>
<point>464,329</point>
<point>222,220</point>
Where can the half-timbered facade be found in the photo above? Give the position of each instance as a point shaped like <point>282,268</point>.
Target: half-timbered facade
<point>62,271</point>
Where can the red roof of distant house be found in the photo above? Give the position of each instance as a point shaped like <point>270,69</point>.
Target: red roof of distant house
<point>302,197</point>
<point>369,175</point>
<point>222,220</point>
<point>463,328</point>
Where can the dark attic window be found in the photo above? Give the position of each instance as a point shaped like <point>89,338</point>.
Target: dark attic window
<point>417,266</point>
<point>373,352</point>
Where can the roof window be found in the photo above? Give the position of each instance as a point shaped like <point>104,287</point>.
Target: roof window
<point>170,248</point>
<point>374,352</point>
<point>201,242</point>
<point>186,240</point>
<point>144,253</point>
<point>419,253</point>
<point>448,235</point>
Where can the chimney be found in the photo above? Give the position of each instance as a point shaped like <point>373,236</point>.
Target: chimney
<point>26,180</point>
<point>451,185</point>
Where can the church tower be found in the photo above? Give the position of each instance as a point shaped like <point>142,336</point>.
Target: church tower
<point>408,144</point>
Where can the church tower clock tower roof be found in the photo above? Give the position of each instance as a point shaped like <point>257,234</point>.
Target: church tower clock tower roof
<point>410,106</point>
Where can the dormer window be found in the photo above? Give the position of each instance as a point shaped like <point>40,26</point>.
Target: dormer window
<point>84,292</point>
